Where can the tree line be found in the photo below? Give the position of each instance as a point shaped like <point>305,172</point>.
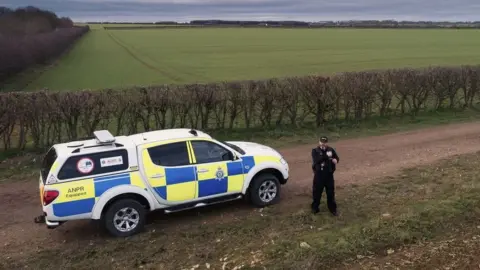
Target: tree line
<point>32,36</point>
<point>302,24</point>
<point>42,118</point>
<point>343,24</point>
<point>30,20</point>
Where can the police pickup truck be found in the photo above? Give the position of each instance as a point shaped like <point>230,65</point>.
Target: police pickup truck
<point>118,180</point>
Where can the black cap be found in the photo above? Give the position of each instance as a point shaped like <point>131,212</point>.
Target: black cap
<point>324,139</point>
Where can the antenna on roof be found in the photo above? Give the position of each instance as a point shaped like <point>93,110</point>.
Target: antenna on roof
<point>193,132</point>
<point>104,136</point>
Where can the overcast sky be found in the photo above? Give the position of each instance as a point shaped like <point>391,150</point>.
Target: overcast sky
<point>305,10</point>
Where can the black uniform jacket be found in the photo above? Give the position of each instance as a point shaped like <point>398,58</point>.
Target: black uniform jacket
<point>319,156</point>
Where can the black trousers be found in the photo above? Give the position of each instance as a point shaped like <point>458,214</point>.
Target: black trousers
<point>324,180</point>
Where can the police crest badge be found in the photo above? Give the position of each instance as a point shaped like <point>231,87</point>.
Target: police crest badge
<point>219,175</point>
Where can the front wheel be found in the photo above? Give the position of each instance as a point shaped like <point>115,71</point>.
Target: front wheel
<point>125,218</point>
<point>265,190</point>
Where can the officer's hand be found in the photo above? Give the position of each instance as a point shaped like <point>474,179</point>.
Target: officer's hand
<point>334,161</point>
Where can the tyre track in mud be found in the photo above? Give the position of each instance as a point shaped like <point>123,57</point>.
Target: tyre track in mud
<point>362,161</point>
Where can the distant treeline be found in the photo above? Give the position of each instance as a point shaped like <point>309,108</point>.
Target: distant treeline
<point>355,24</point>
<point>30,20</point>
<point>142,23</point>
<point>31,36</point>
<point>299,24</point>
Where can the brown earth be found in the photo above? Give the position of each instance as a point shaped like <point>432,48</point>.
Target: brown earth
<point>362,161</point>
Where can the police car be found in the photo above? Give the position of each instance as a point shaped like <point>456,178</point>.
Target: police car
<point>118,180</point>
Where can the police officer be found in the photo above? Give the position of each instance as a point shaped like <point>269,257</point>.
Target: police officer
<point>324,159</point>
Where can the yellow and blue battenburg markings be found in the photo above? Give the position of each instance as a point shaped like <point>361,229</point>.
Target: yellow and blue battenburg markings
<point>79,197</point>
<point>223,177</point>
<point>197,181</point>
<point>178,184</point>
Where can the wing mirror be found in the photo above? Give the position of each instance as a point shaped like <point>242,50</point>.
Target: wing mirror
<point>229,156</point>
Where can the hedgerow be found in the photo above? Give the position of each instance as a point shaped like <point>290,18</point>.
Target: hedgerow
<point>43,118</point>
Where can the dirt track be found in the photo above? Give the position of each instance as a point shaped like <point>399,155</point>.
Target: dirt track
<point>361,161</point>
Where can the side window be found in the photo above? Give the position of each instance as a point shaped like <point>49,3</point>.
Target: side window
<point>93,164</point>
<point>172,154</point>
<point>47,162</point>
<point>206,152</point>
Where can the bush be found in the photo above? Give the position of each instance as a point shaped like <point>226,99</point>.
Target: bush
<point>44,118</point>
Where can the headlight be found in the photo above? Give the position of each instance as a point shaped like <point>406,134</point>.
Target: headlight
<point>283,161</point>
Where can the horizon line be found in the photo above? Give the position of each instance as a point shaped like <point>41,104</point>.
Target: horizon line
<point>320,21</point>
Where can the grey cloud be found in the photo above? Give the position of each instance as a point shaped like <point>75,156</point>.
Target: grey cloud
<point>309,10</point>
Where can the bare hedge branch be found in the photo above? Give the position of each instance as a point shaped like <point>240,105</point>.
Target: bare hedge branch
<point>43,118</point>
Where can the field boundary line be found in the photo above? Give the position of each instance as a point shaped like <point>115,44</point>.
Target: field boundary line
<point>134,56</point>
<point>147,56</point>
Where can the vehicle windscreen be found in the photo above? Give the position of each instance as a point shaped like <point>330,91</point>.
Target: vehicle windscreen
<point>236,148</point>
<point>47,163</point>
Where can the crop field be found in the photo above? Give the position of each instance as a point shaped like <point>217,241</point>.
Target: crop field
<point>122,58</point>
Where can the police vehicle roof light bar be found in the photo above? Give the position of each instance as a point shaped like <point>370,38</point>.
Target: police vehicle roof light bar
<point>104,136</point>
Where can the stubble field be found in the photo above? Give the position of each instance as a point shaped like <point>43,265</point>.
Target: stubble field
<point>122,58</point>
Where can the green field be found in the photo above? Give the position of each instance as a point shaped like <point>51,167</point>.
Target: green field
<point>121,58</point>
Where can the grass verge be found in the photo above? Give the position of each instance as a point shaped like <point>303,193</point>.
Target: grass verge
<point>452,251</point>
<point>417,205</point>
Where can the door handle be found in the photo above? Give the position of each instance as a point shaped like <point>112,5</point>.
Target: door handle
<point>203,170</point>
<point>157,176</point>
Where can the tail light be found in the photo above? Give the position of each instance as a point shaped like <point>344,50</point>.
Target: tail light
<point>49,196</point>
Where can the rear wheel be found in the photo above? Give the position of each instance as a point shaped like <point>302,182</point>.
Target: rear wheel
<point>125,218</point>
<point>264,190</point>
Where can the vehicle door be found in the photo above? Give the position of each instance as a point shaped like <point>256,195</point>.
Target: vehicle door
<point>168,169</point>
<point>217,172</point>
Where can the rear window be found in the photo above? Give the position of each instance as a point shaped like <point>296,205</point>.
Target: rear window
<point>87,165</point>
<point>47,163</point>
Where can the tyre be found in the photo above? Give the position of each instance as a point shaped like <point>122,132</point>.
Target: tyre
<point>125,218</point>
<point>264,190</point>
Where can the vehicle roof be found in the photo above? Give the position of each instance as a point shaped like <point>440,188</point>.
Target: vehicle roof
<point>89,145</point>
<point>166,134</point>
<point>131,141</point>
